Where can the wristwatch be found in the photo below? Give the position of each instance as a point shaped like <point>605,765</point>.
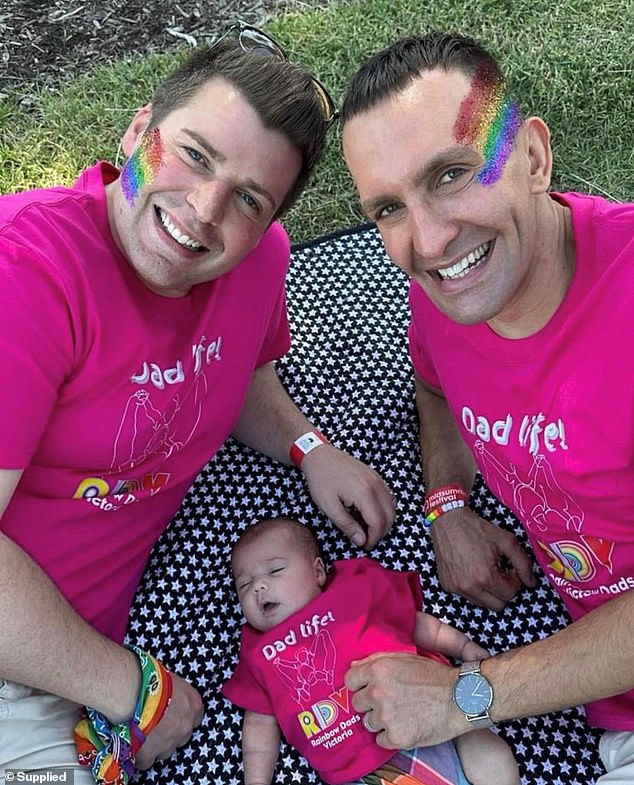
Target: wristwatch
<point>473,695</point>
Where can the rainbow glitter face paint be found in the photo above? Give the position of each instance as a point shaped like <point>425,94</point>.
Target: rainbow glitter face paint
<point>488,120</point>
<point>141,167</point>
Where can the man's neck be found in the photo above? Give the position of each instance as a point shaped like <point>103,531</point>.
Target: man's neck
<point>552,271</point>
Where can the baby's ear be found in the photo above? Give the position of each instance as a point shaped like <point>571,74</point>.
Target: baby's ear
<point>320,570</point>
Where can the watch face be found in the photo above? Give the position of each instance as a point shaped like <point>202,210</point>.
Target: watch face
<point>473,694</point>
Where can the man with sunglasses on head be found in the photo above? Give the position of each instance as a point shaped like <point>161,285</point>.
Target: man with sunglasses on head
<point>141,312</point>
<point>520,304</point>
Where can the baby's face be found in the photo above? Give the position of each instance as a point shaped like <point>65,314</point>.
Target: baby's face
<point>275,578</point>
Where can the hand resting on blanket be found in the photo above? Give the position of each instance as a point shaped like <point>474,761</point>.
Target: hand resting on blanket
<point>341,485</point>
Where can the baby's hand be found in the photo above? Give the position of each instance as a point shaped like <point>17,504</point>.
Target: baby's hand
<point>471,651</point>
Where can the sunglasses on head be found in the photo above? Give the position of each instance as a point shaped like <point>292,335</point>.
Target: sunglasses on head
<point>252,39</point>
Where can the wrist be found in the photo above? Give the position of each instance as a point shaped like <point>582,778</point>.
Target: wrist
<point>473,695</point>
<point>100,742</point>
<point>304,445</point>
<point>487,669</point>
<point>442,500</point>
<point>123,689</point>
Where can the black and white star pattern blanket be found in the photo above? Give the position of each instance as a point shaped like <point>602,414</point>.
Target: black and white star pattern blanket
<point>349,371</point>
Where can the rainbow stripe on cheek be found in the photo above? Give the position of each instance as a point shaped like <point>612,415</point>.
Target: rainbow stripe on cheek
<point>141,167</point>
<point>488,120</point>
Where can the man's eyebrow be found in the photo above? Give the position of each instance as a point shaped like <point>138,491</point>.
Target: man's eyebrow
<point>441,160</point>
<point>202,142</point>
<point>449,156</point>
<point>216,155</point>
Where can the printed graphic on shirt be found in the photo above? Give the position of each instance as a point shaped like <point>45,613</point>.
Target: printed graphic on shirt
<point>307,669</point>
<point>146,430</point>
<point>579,561</point>
<point>106,497</point>
<point>542,504</point>
<point>533,432</point>
<point>535,496</point>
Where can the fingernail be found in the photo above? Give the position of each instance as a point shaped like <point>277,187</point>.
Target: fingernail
<point>358,538</point>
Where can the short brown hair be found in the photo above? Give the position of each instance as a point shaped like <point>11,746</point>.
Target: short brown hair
<point>281,92</point>
<point>391,70</point>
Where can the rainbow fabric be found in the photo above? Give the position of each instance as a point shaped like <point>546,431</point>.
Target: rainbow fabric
<point>488,119</point>
<point>410,767</point>
<point>141,167</point>
<point>110,750</point>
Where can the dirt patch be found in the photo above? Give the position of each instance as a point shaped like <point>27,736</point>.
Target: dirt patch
<point>42,43</point>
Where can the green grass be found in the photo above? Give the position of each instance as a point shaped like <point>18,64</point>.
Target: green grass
<point>571,62</point>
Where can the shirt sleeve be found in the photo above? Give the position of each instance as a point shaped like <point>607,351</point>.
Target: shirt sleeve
<point>277,339</point>
<point>245,690</point>
<point>36,346</point>
<point>419,349</point>
<point>405,599</point>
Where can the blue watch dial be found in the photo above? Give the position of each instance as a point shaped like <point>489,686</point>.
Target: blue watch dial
<point>473,694</point>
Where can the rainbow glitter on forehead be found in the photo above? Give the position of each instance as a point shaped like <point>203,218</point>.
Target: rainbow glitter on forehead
<point>141,167</point>
<point>488,120</point>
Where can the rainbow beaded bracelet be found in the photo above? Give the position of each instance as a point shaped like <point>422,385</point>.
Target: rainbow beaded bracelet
<point>438,511</point>
<point>442,500</point>
<point>110,750</point>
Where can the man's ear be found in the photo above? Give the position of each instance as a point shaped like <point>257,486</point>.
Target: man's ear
<point>540,156</point>
<point>136,129</point>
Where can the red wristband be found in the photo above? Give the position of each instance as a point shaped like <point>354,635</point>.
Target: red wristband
<point>444,495</point>
<point>305,444</point>
<point>442,500</point>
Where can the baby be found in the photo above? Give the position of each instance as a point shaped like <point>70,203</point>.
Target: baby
<point>303,630</point>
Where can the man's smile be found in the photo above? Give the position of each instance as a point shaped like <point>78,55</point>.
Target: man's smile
<point>175,233</point>
<point>466,264</point>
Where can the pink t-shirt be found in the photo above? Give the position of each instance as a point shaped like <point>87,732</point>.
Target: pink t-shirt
<point>113,397</point>
<point>296,670</point>
<point>550,418</point>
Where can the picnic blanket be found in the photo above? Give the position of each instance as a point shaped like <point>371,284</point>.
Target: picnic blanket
<point>349,371</point>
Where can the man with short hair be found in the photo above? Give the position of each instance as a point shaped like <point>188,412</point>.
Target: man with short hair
<point>520,302</point>
<point>141,312</point>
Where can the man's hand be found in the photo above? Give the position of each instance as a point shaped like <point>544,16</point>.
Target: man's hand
<point>338,483</point>
<point>185,713</point>
<point>409,699</point>
<point>476,559</point>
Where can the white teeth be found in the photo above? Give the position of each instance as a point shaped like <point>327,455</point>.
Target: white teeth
<point>180,237</point>
<point>461,268</point>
